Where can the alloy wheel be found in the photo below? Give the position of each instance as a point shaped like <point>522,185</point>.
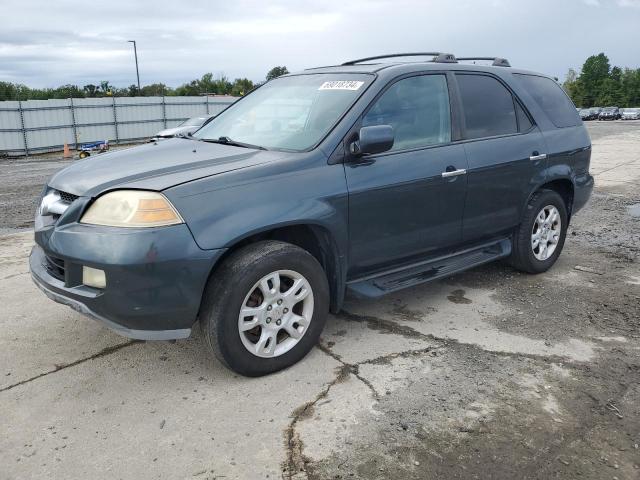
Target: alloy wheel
<point>545,233</point>
<point>276,313</point>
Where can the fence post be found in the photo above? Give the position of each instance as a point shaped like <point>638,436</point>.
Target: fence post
<point>164,114</point>
<point>73,121</point>
<point>115,120</point>
<point>24,131</point>
<point>207,102</point>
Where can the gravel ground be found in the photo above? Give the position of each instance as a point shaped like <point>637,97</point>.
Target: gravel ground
<point>488,374</point>
<point>21,181</point>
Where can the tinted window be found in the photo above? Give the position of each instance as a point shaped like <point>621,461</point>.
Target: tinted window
<point>488,106</point>
<point>551,99</point>
<point>418,110</point>
<point>524,122</point>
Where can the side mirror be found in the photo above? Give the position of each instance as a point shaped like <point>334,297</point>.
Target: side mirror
<point>374,139</point>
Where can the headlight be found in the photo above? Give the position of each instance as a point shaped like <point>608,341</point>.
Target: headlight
<point>132,208</point>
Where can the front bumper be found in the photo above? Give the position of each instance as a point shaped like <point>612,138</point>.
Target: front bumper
<point>155,276</point>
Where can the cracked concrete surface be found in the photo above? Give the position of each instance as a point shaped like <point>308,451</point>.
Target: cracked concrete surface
<point>489,374</point>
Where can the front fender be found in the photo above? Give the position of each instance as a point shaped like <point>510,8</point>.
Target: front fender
<point>225,209</point>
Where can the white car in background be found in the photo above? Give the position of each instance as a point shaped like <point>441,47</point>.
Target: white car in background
<point>631,114</point>
<point>190,125</point>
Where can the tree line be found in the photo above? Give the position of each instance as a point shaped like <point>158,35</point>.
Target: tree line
<point>207,84</point>
<point>599,84</point>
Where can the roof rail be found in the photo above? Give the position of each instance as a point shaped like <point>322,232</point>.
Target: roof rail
<point>497,61</point>
<point>438,57</point>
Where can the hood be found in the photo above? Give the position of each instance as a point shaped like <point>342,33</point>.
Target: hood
<point>155,166</point>
<point>172,132</point>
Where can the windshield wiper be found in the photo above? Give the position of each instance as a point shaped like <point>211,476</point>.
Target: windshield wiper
<point>228,141</point>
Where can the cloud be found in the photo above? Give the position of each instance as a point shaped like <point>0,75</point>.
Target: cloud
<point>45,43</point>
<point>629,3</point>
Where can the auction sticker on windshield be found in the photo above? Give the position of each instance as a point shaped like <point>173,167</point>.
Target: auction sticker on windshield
<point>341,85</point>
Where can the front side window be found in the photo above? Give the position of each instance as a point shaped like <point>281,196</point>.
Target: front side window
<point>551,99</point>
<point>488,106</point>
<point>288,113</point>
<point>418,110</point>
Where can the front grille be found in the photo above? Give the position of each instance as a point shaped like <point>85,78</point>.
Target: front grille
<point>67,197</point>
<point>55,266</point>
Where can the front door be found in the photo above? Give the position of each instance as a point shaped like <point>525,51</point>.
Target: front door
<point>400,205</point>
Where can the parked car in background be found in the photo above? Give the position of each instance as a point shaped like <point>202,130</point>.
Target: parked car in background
<point>587,114</point>
<point>631,114</point>
<point>190,125</point>
<point>609,113</point>
<point>258,224</point>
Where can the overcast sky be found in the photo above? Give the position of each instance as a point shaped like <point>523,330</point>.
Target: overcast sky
<point>53,42</point>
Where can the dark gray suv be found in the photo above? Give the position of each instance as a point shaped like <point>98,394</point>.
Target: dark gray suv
<point>368,176</point>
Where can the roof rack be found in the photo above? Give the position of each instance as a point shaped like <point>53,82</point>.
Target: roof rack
<point>438,57</point>
<point>497,61</point>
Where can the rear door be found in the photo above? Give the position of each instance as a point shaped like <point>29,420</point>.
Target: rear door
<point>400,205</point>
<point>506,154</point>
<point>566,137</point>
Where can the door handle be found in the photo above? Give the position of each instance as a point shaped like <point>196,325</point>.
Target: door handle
<point>454,173</point>
<point>537,156</point>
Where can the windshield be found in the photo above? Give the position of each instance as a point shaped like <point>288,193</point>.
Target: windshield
<point>193,122</point>
<point>288,113</point>
<point>610,109</point>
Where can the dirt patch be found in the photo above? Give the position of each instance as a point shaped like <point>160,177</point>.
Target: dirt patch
<point>457,296</point>
<point>477,416</point>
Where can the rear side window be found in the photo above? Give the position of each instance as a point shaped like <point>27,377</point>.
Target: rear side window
<point>489,109</point>
<point>551,99</point>
<point>418,110</point>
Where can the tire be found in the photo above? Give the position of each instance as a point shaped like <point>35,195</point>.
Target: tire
<point>237,283</point>
<point>527,257</point>
<point>83,155</point>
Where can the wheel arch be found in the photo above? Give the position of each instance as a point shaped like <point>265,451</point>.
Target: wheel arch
<point>316,239</point>
<point>564,186</point>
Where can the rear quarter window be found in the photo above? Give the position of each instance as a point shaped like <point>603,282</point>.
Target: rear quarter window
<point>551,99</point>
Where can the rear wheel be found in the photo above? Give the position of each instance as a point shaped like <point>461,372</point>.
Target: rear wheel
<point>265,308</point>
<point>539,239</point>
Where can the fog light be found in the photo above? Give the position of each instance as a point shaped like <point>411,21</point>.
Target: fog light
<point>92,277</point>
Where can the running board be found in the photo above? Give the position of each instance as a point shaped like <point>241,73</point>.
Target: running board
<point>427,271</point>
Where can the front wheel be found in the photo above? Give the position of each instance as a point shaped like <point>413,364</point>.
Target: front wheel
<point>538,240</point>
<point>265,307</point>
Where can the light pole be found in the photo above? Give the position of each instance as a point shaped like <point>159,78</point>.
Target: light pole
<point>135,52</point>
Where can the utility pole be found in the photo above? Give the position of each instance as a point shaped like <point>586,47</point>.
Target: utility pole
<point>135,52</point>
